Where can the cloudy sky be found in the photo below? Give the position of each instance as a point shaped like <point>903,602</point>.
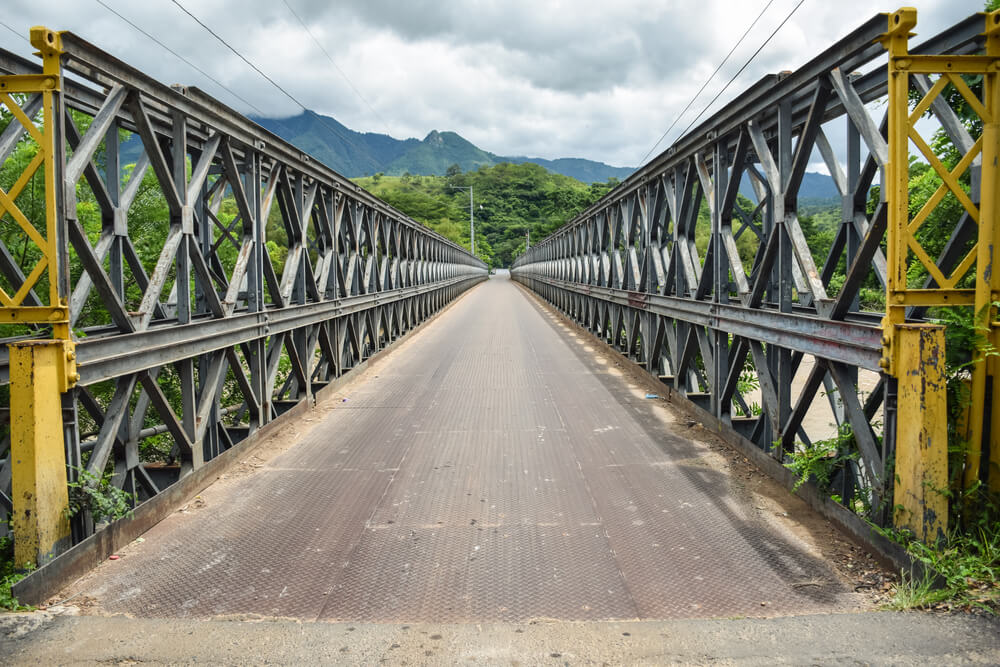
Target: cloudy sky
<point>599,80</point>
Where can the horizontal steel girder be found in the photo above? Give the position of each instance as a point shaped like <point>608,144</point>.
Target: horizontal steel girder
<point>845,342</point>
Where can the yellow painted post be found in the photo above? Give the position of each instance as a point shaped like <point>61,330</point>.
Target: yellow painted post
<point>40,370</point>
<point>38,457</point>
<point>914,354</point>
<point>922,436</point>
<point>988,283</point>
<point>897,181</point>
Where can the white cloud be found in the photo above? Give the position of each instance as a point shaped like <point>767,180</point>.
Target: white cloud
<point>550,79</point>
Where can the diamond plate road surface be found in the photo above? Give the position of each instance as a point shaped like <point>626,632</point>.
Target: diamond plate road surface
<point>493,469</point>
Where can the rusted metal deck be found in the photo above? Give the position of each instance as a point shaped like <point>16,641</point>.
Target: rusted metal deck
<point>495,468</point>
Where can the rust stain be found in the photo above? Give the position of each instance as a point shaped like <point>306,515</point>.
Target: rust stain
<point>638,300</point>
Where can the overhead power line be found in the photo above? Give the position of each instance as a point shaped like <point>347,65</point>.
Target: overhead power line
<point>16,32</point>
<point>336,67</point>
<point>182,59</point>
<point>745,65</point>
<point>707,81</point>
<point>266,77</point>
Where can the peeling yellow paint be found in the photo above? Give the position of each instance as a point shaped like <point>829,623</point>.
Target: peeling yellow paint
<point>921,433</point>
<point>38,470</point>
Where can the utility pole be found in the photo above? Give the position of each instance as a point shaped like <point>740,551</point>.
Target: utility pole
<point>472,221</point>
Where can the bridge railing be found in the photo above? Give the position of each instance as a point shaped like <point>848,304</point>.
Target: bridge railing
<point>737,303</point>
<point>196,275</point>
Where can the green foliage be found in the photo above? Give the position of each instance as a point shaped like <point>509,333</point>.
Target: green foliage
<point>965,342</point>
<point>98,496</point>
<point>747,243</point>
<point>748,381</point>
<point>10,574</point>
<point>821,460</point>
<point>508,201</point>
<point>967,565</point>
<point>915,592</point>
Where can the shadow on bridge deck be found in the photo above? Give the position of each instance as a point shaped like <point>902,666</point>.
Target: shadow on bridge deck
<point>494,468</point>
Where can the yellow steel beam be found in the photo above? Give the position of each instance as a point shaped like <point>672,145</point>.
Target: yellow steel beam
<point>987,285</point>
<point>38,456</point>
<point>984,256</point>
<point>922,436</point>
<point>32,315</point>
<point>914,355</point>
<point>28,83</point>
<point>987,276</point>
<point>41,370</point>
<point>897,181</point>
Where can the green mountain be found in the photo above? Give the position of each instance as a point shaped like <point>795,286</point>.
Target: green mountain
<point>356,154</point>
<point>815,188</point>
<point>437,152</point>
<point>510,201</point>
<point>339,147</point>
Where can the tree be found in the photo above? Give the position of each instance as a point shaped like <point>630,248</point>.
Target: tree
<point>509,199</point>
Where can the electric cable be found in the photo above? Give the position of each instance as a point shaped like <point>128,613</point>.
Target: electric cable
<point>16,32</point>
<point>269,79</point>
<point>747,63</point>
<point>707,81</point>
<point>182,59</point>
<point>336,67</point>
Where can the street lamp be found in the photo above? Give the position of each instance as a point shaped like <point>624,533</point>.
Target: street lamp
<point>472,222</point>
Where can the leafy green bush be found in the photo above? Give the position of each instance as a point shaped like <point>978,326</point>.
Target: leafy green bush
<point>968,563</point>
<point>822,459</point>
<point>99,497</point>
<point>9,575</point>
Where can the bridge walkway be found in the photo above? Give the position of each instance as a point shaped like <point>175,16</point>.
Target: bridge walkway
<point>495,467</point>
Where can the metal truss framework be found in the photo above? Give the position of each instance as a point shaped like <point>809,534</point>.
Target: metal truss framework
<point>672,292</point>
<point>210,341</point>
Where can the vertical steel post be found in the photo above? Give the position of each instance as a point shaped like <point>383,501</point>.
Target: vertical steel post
<point>897,182</point>
<point>38,457</point>
<point>914,354</point>
<point>42,370</point>
<point>720,268</point>
<point>987,276</point>
<point>784,374</point>
<point>921,433</point>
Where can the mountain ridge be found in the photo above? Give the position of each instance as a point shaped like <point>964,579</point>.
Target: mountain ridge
<point>358,154</point>
<point>355,154</point>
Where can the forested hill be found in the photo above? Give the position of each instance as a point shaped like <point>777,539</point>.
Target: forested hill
<point>355,154</point>
<point>509,200</point>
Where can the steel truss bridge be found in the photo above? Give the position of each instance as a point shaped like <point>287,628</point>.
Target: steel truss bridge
<point>630,268</point>
<point>356,275</point>
<point>218,329</point>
